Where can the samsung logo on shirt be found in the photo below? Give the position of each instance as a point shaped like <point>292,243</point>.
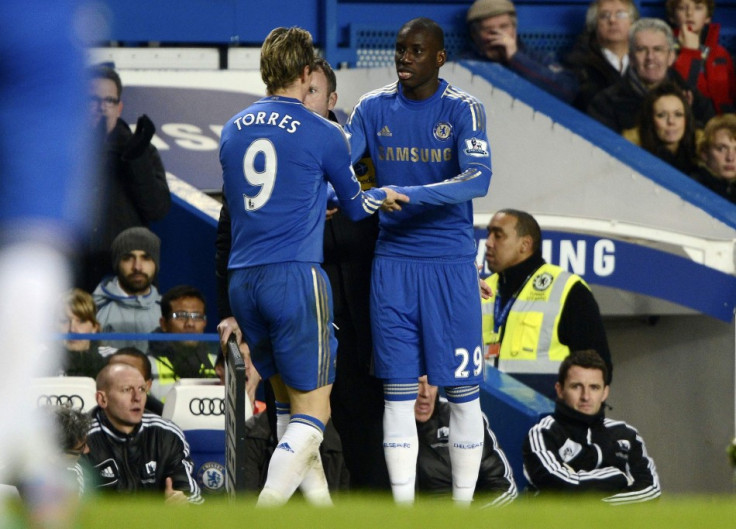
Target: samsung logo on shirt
<point>275,119</point>
<point>414,154</point>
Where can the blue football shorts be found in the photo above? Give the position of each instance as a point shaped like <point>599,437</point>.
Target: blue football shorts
<point>285,313</point>
<point>426,319</point>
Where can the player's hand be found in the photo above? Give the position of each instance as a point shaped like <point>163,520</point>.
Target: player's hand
<point>393,200</point>
<point>330,213</point>
<point>252,379</point>
<point>225,328</point>
<point>688,38</point>
<point>174,497</point>
<point>485,289</point>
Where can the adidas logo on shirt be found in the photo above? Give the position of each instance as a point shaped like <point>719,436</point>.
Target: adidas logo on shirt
<point>107,472</point>
<point>285,446</point>
<point>385,131</point>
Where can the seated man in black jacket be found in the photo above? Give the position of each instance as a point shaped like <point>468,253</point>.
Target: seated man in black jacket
<point>133,451</point>
<point>577,449</point>
<point>434,472</point>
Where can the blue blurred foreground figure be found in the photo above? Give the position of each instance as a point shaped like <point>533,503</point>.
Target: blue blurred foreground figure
<point>43,211</point>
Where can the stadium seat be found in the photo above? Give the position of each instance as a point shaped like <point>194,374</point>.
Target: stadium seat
<point>199,410</point>
<point>198,381</point>
<point>76,392</point>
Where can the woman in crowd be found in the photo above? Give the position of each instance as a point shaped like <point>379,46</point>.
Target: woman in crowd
<point>717,152</point>
<point>666,127</point>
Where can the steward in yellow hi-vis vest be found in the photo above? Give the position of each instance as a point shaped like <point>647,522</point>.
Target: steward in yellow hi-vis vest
<point>530,339</point>
<point>538,312</point>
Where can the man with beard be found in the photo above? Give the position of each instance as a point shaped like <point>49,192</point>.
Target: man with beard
<point>129,302</point>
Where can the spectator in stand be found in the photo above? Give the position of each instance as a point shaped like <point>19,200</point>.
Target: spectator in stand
<point>578,450</point>
<point>136,358</point>
<point>701,61</point>
<point>492,26</point>
<point>601,55</point>
<point>133,189</point>
<point>717,152</point>
<point>129,302</point>
<point>83,358</point>
<point>132,451</point>
<point>434,471</point>
<point>183,311</point>
<point>651,54</point>
<point>666,127</point>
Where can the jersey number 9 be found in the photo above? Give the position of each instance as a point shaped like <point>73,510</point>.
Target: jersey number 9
<point>265,179</point>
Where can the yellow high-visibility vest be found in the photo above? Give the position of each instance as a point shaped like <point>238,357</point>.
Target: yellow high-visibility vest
<point>164,377</point>
<point>530,341</point>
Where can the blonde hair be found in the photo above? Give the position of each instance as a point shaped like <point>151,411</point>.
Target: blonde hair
<point>723,122</point>
<point>284,54</point>
<point>82,305</point>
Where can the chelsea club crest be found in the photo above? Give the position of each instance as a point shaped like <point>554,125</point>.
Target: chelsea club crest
<point>211,477</point>
<point>542,281</point>
<point>442,130</point>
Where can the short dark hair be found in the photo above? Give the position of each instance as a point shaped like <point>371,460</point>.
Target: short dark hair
<point>322,64</point>
<point>134,351</point>
<point>71,426</point>
<point>105,72</point>
<point>428,25</point>
<point>586,358</point>
<point>178,292</point>
<point>526,225</point>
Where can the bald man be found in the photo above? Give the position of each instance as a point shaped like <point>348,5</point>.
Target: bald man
<point>131,450</point>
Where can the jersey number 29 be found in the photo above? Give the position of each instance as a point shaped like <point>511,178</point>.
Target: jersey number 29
<point>461,371</point>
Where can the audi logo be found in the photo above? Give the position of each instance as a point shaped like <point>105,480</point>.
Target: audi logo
<point>207,406</point>
<point>69,401</point>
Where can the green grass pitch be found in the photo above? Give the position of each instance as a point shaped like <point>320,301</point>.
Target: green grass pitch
<point>379,512</point>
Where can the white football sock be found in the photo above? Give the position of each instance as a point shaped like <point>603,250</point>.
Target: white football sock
<point>466,448</point>
<point>400,447</point>
<point>290,461</point>
<point>314,485</point>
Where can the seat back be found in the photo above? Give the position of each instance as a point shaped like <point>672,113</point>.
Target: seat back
<point>75,392</point>
<point>199,410</point>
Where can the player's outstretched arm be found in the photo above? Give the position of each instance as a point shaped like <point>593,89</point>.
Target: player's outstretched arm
<point>394,199</point>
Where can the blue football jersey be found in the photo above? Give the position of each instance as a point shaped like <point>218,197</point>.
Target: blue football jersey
<point>438,144</point>
<point>277,157</point>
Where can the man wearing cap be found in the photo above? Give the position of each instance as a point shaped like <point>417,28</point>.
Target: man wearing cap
<point>492,27</point>
<point>129,302</point>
